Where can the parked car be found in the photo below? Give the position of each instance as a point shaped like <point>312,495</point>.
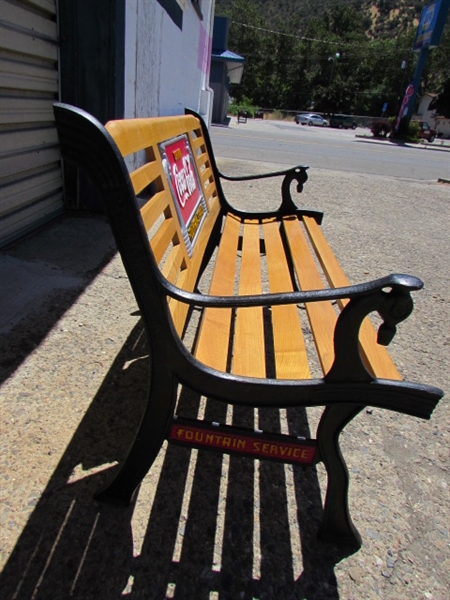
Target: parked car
<point>343,122</point>
<point>426,132</point>
<point>311,119</point>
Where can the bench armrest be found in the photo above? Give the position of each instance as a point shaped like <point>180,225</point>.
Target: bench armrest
<point>287,206</point>
<point>299,168</point>
<point>389,296</point>
<point>402,284</point>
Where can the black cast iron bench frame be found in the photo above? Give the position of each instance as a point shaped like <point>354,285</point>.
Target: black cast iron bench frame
<point>344,390</point>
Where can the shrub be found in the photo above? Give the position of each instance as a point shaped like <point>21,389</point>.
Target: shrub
<point>407,131</point>
<point>245,105</point>
<point>413,130</point>
<point>381,128</point>
<point>276,115</point>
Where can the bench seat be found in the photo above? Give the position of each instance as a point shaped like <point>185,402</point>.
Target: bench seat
<point>253,252</point>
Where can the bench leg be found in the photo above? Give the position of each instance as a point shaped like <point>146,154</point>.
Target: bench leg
<point>337,525</point>
<point>146,446</point>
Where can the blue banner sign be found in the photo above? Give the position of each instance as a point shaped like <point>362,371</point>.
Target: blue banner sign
<point>430,27</point>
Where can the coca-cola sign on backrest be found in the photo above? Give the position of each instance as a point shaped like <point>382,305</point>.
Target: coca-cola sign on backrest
<point>181,172</point>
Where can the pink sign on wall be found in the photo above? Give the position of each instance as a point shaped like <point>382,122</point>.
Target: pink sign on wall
<point>204,50</point>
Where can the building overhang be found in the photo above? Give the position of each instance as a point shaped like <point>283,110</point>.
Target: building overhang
<point>233,62</point>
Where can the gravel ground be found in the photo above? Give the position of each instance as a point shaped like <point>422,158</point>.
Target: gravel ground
<point>203,527</point>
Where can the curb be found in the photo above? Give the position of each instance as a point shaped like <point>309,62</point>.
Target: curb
<point>437,144</point>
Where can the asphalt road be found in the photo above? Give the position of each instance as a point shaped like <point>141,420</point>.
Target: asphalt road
<point>356,151</point>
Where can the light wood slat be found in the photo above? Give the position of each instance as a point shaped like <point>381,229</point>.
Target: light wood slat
<point>206,181</point>
<point>376,357</point>
<point>189,276</point>
<point>332,269</point>
<point>249,348</point>
<point>154,208</point>
<point>198,142</point>
<point>206,176</point>
<point>210,193</point>
<point>172,264</point>
<point>142,177</point>
<point>132,135</point>
<point>291,360</point>
<point>162,238</point>
<point>203,160</point>
<point>322,316</point>
<point>175,271</point>
<point>204,165</point>
<point>214,333</point>
<point>179,310</point>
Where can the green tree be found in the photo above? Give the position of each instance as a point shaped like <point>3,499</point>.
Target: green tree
<point>293,63</point>
<point>437,68</point>
<point>245,38</point>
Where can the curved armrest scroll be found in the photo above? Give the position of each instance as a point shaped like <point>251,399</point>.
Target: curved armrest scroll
<point>287,206</point>
<point>393,303</point>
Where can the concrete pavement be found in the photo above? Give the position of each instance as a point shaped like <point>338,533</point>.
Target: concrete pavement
<point>73,365</point>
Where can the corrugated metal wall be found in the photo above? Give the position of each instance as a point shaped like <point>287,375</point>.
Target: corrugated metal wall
<point>30,174</point>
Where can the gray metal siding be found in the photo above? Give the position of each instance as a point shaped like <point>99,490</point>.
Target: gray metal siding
<point>30,174</point>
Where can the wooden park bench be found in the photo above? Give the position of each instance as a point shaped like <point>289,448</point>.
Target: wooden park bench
<point>272,279</point>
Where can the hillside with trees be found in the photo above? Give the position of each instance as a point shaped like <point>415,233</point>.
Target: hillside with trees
<point>349,56</point>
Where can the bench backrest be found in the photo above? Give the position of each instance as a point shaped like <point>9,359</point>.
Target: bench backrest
<point>162,213</point>
<point>177,193</point>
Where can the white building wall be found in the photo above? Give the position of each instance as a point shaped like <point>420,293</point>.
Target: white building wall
<point>443,127</point>
<point>167,68</point>
<point>424,113</point>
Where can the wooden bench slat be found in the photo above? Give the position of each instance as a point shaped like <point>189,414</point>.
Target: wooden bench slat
<point>291,360</point>
<point>210,193</point>
<point>173,263</point>
<point>322,316</point>
<point>249,354</point>
<point>331,268</point>
<point>154,208</point>
<point>189,276</point>
<point>197,142</point>
<point>376,357</point>
<point>206,176</point>
<point>203,161</point>
<point>143,176</point>
<point>179,310</point>
<point>207,182</point>
<point>136,134</point>
<point>214,333</point>
<point>162,238</point>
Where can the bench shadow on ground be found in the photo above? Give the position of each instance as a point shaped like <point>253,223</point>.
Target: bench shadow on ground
<point>74,247</point>
<point>73,547</point>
